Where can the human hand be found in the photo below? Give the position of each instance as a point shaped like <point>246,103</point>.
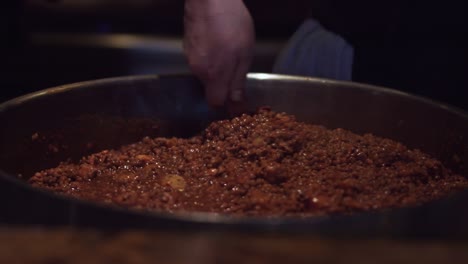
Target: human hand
<point>218,43</point>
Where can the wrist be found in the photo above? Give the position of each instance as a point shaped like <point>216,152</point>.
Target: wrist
<point>210,7</point>
<point>201,2</point>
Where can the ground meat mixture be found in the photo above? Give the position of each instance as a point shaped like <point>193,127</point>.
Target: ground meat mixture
<point>266,164</point>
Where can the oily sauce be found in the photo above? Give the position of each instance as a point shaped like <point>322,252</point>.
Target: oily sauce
<point>265,164</point>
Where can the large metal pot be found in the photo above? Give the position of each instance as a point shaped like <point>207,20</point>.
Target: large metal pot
<point>66,119</point>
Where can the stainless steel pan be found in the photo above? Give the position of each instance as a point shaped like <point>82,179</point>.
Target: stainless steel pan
<point>41,129</point>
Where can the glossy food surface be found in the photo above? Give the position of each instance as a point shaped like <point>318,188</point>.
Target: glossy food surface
<point>266,164</point>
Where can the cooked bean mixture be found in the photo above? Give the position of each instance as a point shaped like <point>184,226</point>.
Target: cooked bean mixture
<point>266,164</point>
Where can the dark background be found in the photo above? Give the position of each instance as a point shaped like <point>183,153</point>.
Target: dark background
<point>408,45</point>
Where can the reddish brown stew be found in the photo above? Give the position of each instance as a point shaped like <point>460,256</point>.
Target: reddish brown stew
<point>266,164</point>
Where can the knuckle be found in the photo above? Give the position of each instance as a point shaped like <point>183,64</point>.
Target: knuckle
<point>197,66</point>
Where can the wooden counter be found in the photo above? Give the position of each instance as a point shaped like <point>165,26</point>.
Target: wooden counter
<point>75,246</point>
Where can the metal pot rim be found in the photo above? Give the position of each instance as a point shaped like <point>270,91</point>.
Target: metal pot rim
<point>210,218</point>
